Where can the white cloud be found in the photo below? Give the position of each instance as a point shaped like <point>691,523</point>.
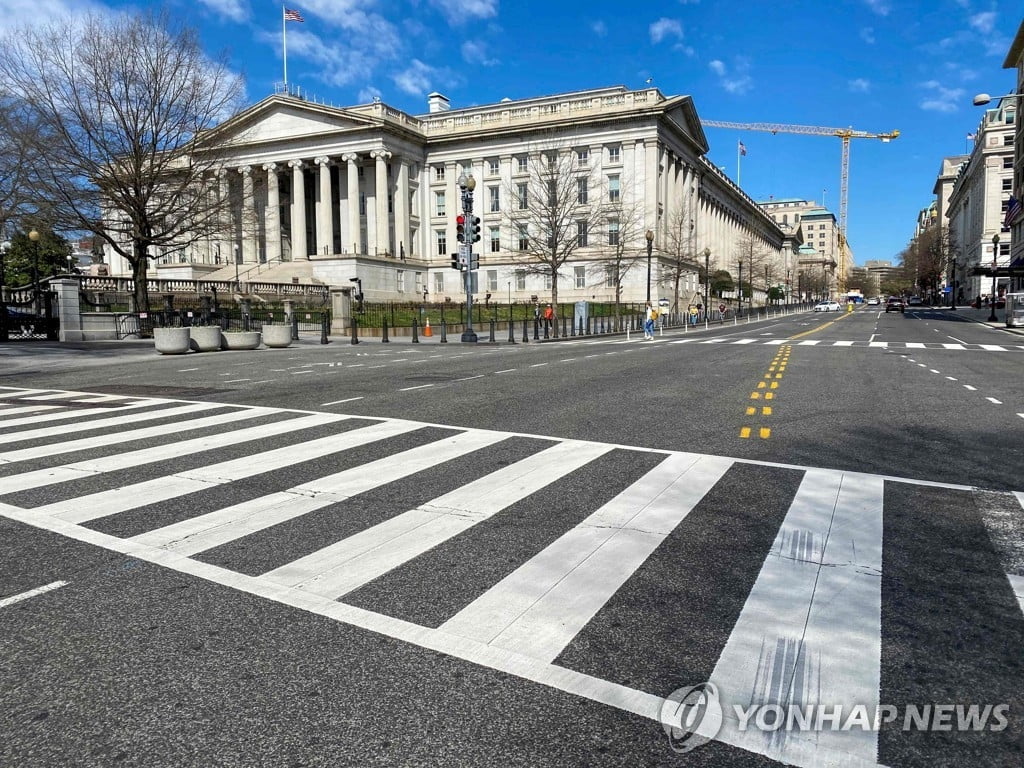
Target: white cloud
<point>663,28</point>
<point>476,53</point>
<point>881,7</point>
<point>419,79</point>
<point>860,85</point>
<point>369,93</point>
<point>867,34</point>
<point>599,28</point>
<point>737,80</point>
<point>463,10</point>
<point>939,98</point>
<point>234,10</point>
<point>983,22</point>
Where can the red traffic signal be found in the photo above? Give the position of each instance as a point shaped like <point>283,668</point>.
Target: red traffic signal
<point>460,228</point>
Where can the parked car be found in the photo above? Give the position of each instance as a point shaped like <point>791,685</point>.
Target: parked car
<point>915,301</point>
<point>874,301</point>
<point>827,306</point>
<point>894,304</point>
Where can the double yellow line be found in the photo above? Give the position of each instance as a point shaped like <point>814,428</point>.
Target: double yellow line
<point>765,391</point>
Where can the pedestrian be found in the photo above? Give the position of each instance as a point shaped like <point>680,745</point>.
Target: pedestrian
<point>549,317</point>
<point>694,314</point>
<point>649,318</point>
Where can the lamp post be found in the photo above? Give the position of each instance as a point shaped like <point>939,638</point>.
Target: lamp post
<point>238,284</point>
<point>5,246</point>
<point>952,293</point>
<point>467,184</point>
<point>650,248</point>
<point>34,237</point>
<point>766,290</point>
<point>739,291</point>
<point>707,278</point>
<point>995,252</point>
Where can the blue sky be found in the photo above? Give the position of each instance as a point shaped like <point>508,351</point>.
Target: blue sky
<point>874,65</point>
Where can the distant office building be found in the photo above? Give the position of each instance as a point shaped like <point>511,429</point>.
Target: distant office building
<point>818,230</point>
<point>1015,60</point>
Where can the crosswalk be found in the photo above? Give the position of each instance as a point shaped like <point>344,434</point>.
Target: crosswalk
<point>540,557</point>
<point>779,341</point>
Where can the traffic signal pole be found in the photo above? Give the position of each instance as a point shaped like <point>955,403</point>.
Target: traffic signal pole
<point>470,234</point>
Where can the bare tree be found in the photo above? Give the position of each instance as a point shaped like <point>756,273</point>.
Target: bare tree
<point>17,160</point>
<point>750,250</point>
<point>127,105</point>
<point>555,205</point>
<point>679,250</point>
<point>617,249</point>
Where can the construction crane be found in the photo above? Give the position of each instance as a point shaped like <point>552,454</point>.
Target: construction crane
<point>811,130</point>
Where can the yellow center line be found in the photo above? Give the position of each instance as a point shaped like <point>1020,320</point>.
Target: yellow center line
<point>745,432</point>
<point>751,410</point>
<point>765,433</point>
<point>819,328</point>
<point>765,410</point>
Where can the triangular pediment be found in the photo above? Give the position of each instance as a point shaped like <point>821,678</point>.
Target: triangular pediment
<point>282,118</point>
<point>684,115</point>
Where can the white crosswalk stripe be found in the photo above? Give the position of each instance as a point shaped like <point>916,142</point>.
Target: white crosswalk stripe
<point>820,343</point>
<point>810,629</point>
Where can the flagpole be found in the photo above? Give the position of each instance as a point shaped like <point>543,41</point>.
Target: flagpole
<point>284,45</point>
<point>738,164</point>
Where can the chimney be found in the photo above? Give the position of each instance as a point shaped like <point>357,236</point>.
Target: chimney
<point>438,102</point>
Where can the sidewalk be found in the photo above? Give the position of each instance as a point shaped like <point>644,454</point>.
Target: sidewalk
<point>981,317</point>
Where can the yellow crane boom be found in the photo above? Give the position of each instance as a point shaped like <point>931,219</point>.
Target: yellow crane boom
<point>812,130</point>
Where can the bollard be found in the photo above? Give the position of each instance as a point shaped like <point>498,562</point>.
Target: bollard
<point>295,327</point>
<point>581,326</point>
<point>547,330</point>
<point>491,337</point>
<point>536,329</point>
<point>384,328</point>
<point>355,333</point>
<point>526,336</point>
<point>444,331</point>
<point>323,328</point>
<point>563,326</point>
<point>415,332</point>
<point>511,332</point>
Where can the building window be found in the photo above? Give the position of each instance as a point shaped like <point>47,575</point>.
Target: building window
<point>1007,162</point>
<point>492,279</point>
<point>1008,140</point>
<point>583,157</point>
<point>581,234</point>
<point>547,281</point>
<point>492,167</point>
<point>613,188</point>
<point>439,204</point>
<point>438,283</point>
<point>400,280</point>
<point>524,238</point>
<point>494,193</point>
<point>614,154</point>
<point>580,273</point>
<point>495,233</point>
<point>522,196</point>
<point>438,173</point>
<point>442,242</point>
<point>520,280</point>
<point>552,193</point>
<point>521,164</point>
<point>581,191</point>
<point>613,233</point>
<point>609,276</point>
<point>1007,185</point>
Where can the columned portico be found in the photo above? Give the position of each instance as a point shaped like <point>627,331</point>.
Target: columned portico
<point>381,243</point>
<point>299,248</point>
<point>324,224</point>
<point>402,242</point>
<point>248,218</point>
<point>273,218</point>
<point>224,243</point>
<point>352,171</point>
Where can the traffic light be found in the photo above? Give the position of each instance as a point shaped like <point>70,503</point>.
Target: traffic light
<point>460,227</point>
<point>474,261</point>
<point>474,230</point>
<point>455,262</point>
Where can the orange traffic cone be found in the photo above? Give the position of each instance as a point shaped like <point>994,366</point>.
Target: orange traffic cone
<point>426,330</point>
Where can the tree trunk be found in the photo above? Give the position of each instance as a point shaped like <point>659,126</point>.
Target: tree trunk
<point>140,277</point>
<point>554,301</point>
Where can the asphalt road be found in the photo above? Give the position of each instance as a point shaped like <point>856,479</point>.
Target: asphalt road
<point>437,554</point>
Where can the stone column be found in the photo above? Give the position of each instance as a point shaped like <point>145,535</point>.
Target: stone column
<point>299,249</point>
<point>402,243</point>
<point>68,311</point>
<point>324,224</point>
<point>248,222</point>
<point>226,224</point>
<point>354,239</point>
<point>382,244</point>
<point>273,225</point>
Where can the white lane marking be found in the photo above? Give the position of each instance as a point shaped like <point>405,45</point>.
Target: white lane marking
<point>1017,583</point>
<point>922,365</point>
<point>31,593</point>
<point>13,409</point>
<point>198,534</point>
<point>355,365</point>
<point>567,359</point>
<point>470,378</point>
<point>339,402</point>
<point>299,373</point>
<point>871,337</point>
<point>420,386</point>
<point>932,370</point>
<point>507,370</point>
<point>968,386</point>
<point>958,341</point>
<point>951,378</point>
<point>538,365</point>
<point>85,426</point>
<point>110,502</point>
<point>992,347</point>
<point>235,381</point>
<point>810,630</point>
<point>343,566</point>
<point>993,400</point>
<point>843,344</point>
<point>953,346</point>
<point>542,605</point>
<point>882,344</point>
<point>915,345</point>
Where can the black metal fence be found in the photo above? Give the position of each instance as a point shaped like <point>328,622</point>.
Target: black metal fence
<point>31,320</point>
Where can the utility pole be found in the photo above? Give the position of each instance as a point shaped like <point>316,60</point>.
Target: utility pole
<point>469,233</point>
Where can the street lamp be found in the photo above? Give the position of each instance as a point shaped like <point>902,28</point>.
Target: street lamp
<point>739,290</point>
<point>467,184</point>
<point>34,237</point>
<point>707,279</point>
<point>5,246</point>
<point>766,287</point>
<point>650,248</point>
<point>952,293</point>
<point>995,252</point>
<point>238,284</point>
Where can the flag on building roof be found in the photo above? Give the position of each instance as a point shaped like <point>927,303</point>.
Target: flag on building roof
<point>290,14</point>
<point>743,149</point>
<point>970,136</point>
<point>1013,209</point>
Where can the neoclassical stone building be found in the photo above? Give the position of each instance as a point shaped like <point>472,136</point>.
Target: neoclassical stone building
<point>328,194</point>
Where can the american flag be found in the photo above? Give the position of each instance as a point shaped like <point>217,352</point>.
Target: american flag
<point>290,14</point>
<point>743,149</point>
<point>1013,209</point>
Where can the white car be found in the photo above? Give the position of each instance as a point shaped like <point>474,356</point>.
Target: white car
<point>827,306</point>
<point>873,301</point>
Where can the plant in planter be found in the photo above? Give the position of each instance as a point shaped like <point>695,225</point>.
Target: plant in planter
<point>171,341</point>
<point>277,336</point>
<point>240,339</point>
<point>204,338</point>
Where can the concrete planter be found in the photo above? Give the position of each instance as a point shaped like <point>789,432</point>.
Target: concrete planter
<point>171,341</point>
<point>277,336</point>
<point>240,339</point>
<point>204,338</point>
